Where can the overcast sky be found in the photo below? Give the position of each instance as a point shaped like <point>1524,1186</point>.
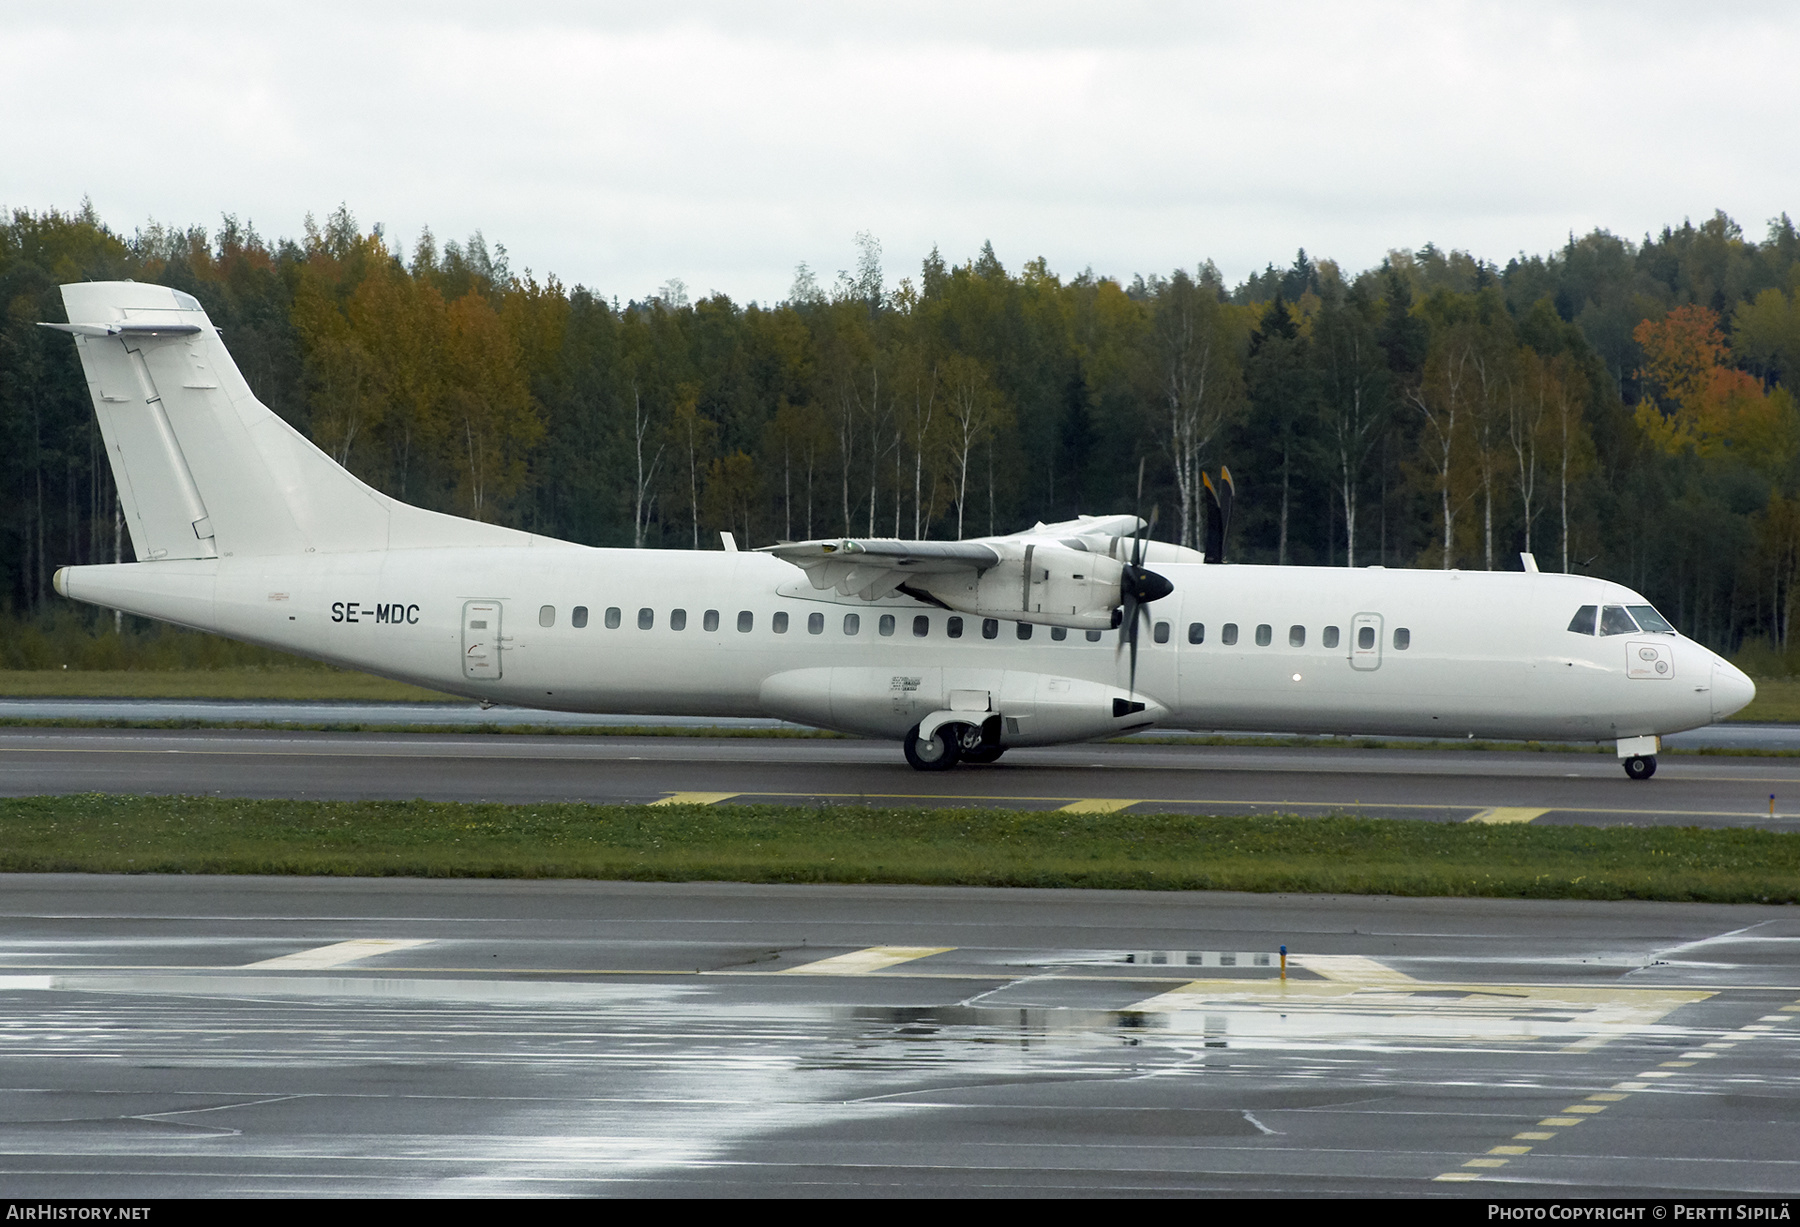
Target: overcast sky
<point>622,145</point>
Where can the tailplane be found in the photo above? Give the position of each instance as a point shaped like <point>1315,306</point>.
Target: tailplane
<point>203,468</point>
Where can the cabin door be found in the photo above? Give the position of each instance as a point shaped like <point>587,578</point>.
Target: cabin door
<point>1365,641</point>
<point>481,640</point>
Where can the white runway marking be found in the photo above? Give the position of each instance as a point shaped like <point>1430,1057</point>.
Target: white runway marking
<point>338,954</point>
<point>1507,813</point>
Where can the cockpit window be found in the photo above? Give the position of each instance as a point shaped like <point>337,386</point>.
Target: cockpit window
<point>1583,621</point>
<point>1615,621</point>
<point>1650,620</point>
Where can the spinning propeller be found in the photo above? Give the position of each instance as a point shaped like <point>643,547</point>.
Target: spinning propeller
<point>1137,588</point>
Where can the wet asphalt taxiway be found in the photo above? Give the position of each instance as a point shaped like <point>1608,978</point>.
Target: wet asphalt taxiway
<point>282,1037</point>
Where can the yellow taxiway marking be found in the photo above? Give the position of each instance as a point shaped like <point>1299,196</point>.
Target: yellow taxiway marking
<point>1628,1014</point>
<point>696,798</point>
<point>1350,968</point>
<point>862,962</point>
<point>1588,1109</point>
<point>1611,1011</point>
<point>338,954</point>
<point>1507,813</point>
<point>1096,805</point>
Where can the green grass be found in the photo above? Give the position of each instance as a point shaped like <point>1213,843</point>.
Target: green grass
<point>273,682</point>
<point>852,844</point>
<point>1777,701</point>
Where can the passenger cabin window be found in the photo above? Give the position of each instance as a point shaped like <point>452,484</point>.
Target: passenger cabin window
<point>852,624</point>
<point>646,619</point>
<point>1365,638</point>
<point>1196,632</point>
<point>1583,621</point>
<point>709,620</point>
<point>1402,639</point>
<point>1059,633</point>
<point>921,626</point>
<point>778,623</point>
<point>612,618</point>
<point>815,624</point>
<point>1615,621</point>
<point>953,627</point>
<point>547,615</point>
<point>746,621</point>
<point>1228,634</point>
<point>1650,620</point>
<point>1024,631</point>
<point>678,619</point>
<point>990,628</point>
<point>1296,636</point>
<point>1093,636</point>
<point>578,617</point>
<point>1330,637</point>
<point>886,625</point>
<point>1161,633</point>
<point>1264,635</point>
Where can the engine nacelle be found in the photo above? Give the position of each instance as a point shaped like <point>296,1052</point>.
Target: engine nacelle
<point>1048,584</point>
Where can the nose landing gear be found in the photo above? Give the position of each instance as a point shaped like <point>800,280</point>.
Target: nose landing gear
<point>1638,755</point>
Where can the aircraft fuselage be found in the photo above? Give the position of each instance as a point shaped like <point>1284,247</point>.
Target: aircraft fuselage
<point>1278,649</point>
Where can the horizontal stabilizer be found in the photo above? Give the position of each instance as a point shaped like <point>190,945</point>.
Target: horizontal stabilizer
<point>129,329</point>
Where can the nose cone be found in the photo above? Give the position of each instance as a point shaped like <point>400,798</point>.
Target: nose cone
<point>1731,690</point>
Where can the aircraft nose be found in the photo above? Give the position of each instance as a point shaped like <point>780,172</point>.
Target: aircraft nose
<point>1731,689</point>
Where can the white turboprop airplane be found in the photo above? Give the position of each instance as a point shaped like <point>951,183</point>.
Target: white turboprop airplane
<point>958,649</point>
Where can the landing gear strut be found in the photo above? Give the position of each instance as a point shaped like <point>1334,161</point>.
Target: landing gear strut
<point>1640,766</point>
<point>949,745</point>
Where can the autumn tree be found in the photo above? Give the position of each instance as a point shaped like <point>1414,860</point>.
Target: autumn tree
<point>1194,354</point>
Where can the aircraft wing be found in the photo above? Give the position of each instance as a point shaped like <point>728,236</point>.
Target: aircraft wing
<point>875,567</point>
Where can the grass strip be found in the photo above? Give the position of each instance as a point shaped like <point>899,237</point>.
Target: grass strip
<point>350,726</point>
<point>1777,700</point>
<point>797,733</point>
<point>855,844</point>
<point>270,683</point>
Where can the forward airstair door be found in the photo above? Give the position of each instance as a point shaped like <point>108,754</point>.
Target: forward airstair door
<point>1365,641</point>
<point>481,640</point>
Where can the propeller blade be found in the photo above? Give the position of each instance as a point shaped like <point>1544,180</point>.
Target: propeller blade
<point>1131,685</point>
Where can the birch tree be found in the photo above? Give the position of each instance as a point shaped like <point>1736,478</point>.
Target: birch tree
<point>1199,382</point>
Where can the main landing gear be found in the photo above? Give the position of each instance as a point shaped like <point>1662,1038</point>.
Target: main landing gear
<point>1640,766</point>
<point>949,745</point>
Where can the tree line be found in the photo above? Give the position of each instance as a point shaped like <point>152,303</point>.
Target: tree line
<point>1616,408</point>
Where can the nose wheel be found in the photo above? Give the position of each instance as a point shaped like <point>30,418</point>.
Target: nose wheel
<point>1640,766</point>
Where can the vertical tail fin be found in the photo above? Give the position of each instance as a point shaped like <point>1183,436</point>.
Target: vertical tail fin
<point>203,468</point>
